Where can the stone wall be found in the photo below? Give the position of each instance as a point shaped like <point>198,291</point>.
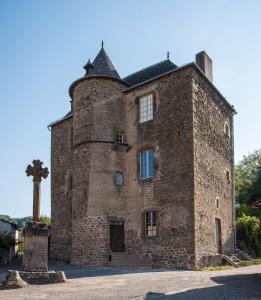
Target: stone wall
<point>61,190</point>
<point>92,150</point>
<point>170,192</point>
<point>213,156</point>
<point>188,177</point>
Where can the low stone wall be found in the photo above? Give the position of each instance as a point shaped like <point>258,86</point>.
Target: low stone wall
<point>208,260</point>
<point>43,277</point>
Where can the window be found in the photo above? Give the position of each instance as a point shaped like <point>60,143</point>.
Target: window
<point>146,108</point>
<point>150,223</point>
<point>217,202</point>
<point>118,179</point>
<point>228,176</point>
<point>226,129</point>
<point>119,138</point>
<point>146,164</point>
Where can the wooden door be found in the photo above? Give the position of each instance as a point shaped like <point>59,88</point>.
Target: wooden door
<point>117,237</point>
<point>218,235</point>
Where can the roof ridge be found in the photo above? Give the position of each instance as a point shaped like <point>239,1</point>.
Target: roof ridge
<point>143,69</point>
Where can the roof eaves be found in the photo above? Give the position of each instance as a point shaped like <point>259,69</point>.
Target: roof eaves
<point>59,120</point>
<point>9,221</point>
<point>192,64</point>
<point>72,86</point>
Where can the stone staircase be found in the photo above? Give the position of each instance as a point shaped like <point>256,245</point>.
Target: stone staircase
<point>126,260</point>
<point>233,260</point>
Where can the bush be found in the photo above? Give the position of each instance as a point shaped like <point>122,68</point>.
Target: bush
<point>249,234</point>
<point>6,240</point>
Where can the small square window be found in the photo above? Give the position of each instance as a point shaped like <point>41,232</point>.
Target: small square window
<point>150,223</point>
<point>119,138</point>
<point>118,179</point>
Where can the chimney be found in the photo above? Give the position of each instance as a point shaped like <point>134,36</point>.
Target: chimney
<point>205,64</point>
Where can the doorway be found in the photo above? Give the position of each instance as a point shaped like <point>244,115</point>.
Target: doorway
<point>117,236</point>
<point>218,235</point>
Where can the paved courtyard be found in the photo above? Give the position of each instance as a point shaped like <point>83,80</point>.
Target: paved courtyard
<point>137,284</point>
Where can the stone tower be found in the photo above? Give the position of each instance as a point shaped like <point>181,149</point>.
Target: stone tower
<point>144,165</point>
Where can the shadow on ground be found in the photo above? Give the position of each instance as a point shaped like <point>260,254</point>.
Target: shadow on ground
<point>238,287</point>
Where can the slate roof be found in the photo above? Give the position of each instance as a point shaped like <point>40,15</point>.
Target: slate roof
<point>8,220</point>
<point>150,72</point>
<point>101,66</point>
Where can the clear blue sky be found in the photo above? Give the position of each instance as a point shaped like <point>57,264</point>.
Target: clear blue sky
<point>44,45</point>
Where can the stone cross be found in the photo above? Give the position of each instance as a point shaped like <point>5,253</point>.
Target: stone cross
<point>37,172</point>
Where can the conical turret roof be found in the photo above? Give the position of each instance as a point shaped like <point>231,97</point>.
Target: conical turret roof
<point>101,66</point>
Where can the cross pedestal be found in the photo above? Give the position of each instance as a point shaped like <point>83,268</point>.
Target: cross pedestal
<point>36,234</point>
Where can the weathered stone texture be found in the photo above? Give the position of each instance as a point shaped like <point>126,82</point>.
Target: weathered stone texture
<point>191,153</point>
<point>213,156</point>
<point>61,190</point>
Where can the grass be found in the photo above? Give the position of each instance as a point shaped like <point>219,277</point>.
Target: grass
<point>217,268</point>
<point>244,263</point>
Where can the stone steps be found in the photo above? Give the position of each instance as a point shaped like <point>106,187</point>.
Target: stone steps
<point>233,260</point>
<point>123,259</point>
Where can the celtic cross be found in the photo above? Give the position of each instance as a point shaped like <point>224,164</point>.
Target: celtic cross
<point>38,172</point>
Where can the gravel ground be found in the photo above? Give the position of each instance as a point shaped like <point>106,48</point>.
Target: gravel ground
<point>113,283</point>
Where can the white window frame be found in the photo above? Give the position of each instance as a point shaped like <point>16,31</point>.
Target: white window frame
<point>146,108</point>
<point>147,151</point>
<point>119,138</point>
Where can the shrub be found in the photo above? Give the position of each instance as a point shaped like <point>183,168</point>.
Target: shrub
<point>6,240</point>
<point>249,234</point>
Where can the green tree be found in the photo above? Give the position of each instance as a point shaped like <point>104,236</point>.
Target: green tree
<point>45,219</point>
<point>248,178</point>
<point>249,234</point>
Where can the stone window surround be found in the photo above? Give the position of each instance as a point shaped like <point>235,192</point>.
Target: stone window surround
<point>120,138</point>
<point>143,148</point>
<point>143,214</point>
<point>227,129</point>
<point>145,91</point>
<point>217,202</point>
<point>146,108</point>
<point>115,179</point>
<point>228,177</point>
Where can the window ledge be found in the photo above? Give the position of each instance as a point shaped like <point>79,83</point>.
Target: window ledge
<point>150,179</point>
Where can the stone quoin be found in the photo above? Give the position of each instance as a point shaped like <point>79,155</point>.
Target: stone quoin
<point>138,164</point>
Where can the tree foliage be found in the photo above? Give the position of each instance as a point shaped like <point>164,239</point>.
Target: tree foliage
<point>6,240</point>
<point>249,234</point>
<point>248,178</point>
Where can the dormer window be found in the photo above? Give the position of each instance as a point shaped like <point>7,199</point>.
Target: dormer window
<point>146,108</point>
<point>119,138</point>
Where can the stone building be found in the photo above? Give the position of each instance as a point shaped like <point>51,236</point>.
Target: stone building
<point>143,165</point>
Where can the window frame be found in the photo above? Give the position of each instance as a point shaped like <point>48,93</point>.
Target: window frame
<point>146,110</point>
<point>148,163</point>
<point>118,173</point>
<point>226,129</point>
<point>119,138</point>
<point>150,227</point>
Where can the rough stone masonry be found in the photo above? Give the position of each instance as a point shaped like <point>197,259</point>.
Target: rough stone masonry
<point>144,165</point>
